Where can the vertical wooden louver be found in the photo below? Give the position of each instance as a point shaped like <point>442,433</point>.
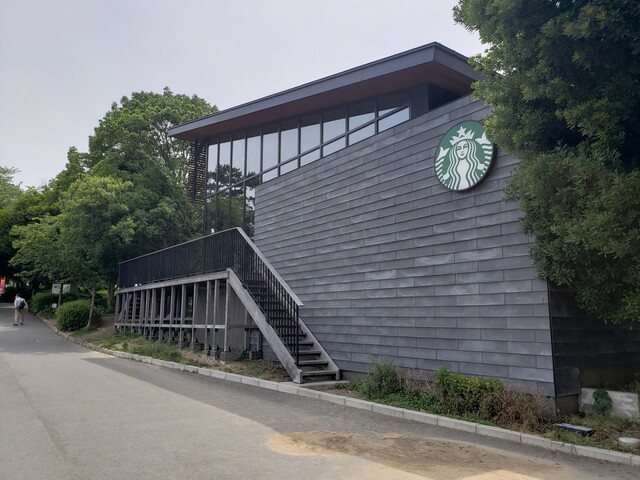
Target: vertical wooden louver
<point>197,173</point>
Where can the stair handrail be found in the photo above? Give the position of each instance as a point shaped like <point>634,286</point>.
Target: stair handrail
<point>270,267</point>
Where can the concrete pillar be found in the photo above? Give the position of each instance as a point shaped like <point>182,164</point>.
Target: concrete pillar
<point>183,312</point>
<point>207,313</point>
<point>172,309</point>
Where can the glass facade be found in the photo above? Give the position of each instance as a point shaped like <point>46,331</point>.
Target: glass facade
<point>240,161</point>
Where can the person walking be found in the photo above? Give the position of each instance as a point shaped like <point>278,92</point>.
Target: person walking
<point>19,304</point>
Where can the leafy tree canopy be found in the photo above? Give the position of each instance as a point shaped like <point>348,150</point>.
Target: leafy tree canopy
<point>559,72</point>
<point>137,129</point>
<point>562,79</point>
<point>9,191</point>
<point>123,198</point>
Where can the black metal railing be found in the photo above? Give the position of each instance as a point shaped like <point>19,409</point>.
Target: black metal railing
<point>215,253</point>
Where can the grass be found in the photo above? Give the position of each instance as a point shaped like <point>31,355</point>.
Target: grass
<point>607,430</point>
<point>115,342</point>
<point>137,344</point>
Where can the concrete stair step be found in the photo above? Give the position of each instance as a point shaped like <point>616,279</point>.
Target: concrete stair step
<point>319,373</point>
<point>306,363</point>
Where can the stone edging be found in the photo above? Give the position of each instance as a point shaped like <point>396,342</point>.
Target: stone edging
<point>426,418</point>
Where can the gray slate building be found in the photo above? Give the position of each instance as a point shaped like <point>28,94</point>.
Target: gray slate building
<point>380,249</point>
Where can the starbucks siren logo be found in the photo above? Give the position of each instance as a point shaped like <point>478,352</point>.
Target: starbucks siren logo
<point>464,156</point>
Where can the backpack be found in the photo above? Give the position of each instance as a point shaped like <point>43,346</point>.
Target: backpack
<point>21,304</point>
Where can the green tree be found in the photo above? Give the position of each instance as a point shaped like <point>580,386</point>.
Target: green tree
<point>561,78</point>
<point>123,198</point>
<point>31,206</point>
<point>9,191</point>
<point>136,129</point>
<point>95,232</point>
<point>9,194</point>
<point>38,256</point>
<point>131,143</point>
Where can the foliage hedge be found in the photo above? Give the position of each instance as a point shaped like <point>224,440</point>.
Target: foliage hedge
<point>41,302</point>
<point>473,398</point>
<point>73,315</point>
<point>468,396</point>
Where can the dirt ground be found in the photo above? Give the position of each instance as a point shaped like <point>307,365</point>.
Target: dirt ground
<point>413,458</point>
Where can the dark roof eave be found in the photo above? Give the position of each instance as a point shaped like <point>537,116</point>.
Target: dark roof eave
<point>433,63</point>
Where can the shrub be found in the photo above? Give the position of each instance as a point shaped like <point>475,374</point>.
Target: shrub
<point>382,380</point>
<point>468,396</point>
<point>41,302</point>
<point>602,401</point>
<point>73,315</point>
<point>520,408</point>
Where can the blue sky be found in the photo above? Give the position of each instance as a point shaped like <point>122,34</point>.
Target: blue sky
<point>63,63</point>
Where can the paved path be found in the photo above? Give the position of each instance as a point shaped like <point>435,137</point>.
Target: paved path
<point>71,413</point>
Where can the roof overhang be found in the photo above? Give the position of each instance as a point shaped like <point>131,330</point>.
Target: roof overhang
<point>432,63</point>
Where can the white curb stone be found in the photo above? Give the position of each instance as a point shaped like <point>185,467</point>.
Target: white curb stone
<point>600,454</point>
<point>308,393</point>
<point>422,417</point>
<point>357,403</point>
<point>387,410</point>
<point>287,388</point>
<point>250,381</point>
<point>330,397</point>
<point>496,432</point>
<point>233,377</point>
<point>268,384</point>
<point>457,424</point>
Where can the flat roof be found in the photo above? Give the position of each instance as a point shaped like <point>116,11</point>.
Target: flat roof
<point>433,63</point>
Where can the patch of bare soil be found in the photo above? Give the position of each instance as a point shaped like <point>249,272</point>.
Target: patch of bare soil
<point>105,330</point>
<point>426,458</point>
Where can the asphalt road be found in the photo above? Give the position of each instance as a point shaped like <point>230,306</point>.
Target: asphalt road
<point>71,413</point>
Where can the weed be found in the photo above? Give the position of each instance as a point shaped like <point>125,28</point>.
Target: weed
<point>602,401</point>
<point>243,355</point>
<point>118,339</point>
<point>518,407</point>
<point>382,380</point>
<point>158,350</point>
<point>84,331</point>
<point>473,396</point>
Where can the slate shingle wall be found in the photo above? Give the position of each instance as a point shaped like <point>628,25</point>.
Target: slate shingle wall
<point>391,264</point>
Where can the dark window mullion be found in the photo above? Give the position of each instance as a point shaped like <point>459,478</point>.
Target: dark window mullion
<point>279,148</point>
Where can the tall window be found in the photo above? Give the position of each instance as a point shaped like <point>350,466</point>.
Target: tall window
<point>334,125</point>
<point>288,145</point>
<point>310,138</point>
<point>361,121</point>
<point>240,161</point>
<point>270,151</point>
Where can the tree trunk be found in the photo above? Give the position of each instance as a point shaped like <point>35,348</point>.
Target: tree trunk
<point>111,288</point>
<point>93,301</point>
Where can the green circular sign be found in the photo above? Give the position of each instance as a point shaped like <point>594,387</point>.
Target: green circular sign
<point>464,156</point>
